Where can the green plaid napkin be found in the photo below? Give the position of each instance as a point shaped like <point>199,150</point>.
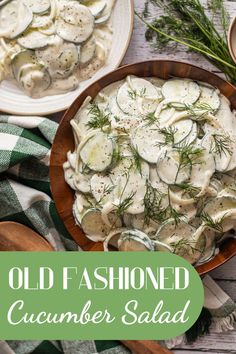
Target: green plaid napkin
<point>25,197</point>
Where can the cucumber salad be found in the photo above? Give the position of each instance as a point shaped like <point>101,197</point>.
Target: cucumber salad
<point>49,46</point>
<point>154,167</point>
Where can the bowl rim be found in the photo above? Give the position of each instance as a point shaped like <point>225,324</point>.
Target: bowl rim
<point>230,39</point>
<point>219,259</point>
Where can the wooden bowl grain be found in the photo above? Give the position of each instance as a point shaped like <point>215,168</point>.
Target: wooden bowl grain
<point>63,195</point>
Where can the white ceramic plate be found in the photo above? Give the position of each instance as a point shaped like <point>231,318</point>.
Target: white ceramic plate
<point>13,100</point>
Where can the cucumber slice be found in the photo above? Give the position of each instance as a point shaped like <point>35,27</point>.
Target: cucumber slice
<point>183,239</point>
<point>34,39</point>
<point>210,246</point>
<point>60,60</point>
<point>21,59</point>
<point>192,136</point>
<point>129,183</point>
<point>182,130</point>
<point>222,158</point>
<point>147,140</point>
<point>38,6</point>
<point>81,120</point>
<point>136,92</point>
<point>219,206</point>
<point>183,90</point>
<point>135,240</point>
<point>76,23</point>
<point>97,152</point>
<point>101,187</point>
<point>202,171</point>
<point>87,51</point>
<point>96,7</point>
<point>93,225</point>
<point>34,79</point>
<point>42,21</point>
<point>15,18</point>
<point>82,180</point>
<point>209,95</point>
<point>168,167</point>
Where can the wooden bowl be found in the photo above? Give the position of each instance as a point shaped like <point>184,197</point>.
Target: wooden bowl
<point>64,196</point>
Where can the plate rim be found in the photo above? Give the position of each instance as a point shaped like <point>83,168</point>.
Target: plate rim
<point>49,112</point>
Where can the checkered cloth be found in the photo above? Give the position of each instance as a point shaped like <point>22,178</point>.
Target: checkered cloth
<point>25,197</point>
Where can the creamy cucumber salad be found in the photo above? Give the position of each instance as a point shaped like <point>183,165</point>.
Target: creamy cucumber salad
<point>154,167</point>
<point>49,46</point>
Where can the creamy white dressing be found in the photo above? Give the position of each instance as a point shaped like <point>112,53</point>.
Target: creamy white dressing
<point>155,169</point>
<point>55,28</point>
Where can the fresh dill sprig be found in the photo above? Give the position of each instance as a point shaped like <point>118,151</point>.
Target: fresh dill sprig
<point>108,189</point>
<point>85,168</point>
<point>152,202</point>
<point>99,119</point>
<point>188,23</point>
<point>187,188</point>
<point>221,145</point>
<point>153,209</point>
<point>198,110</point>
<point>183,246</point>
<point>150,118</point>
<point>137,160</point>
<point>211,223</point>
<point>132,94</point>
<point>169,135</point>
<point>124,205</point>
<point>116,155</point>
<point>188,156</point>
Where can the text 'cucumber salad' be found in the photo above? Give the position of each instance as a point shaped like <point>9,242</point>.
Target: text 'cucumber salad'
<point>154,167</point>
<point>49,46</point>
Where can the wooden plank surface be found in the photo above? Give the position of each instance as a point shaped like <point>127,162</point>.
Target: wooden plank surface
<point>225,276</point>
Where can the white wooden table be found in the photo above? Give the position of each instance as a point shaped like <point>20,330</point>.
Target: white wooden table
<point>226,275</point>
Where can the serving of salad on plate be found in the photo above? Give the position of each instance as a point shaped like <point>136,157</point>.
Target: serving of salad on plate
<point>47,47</point>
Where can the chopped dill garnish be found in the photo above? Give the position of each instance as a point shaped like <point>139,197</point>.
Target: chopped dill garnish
<point>151,119</point>
<point>152,201</point>
<point>108,189</point>
<point>183,246</point>
<point>137,163</point>
<point>187,188</point>
<point>142,92</point>
<point>169,135</point>
<point>126,202</point>
<point>132,94</point>
<point>116,155</point>
<point>124,205</point>
<point>99,119</point>
<point>188,156</point>
<point>211,223</point>
<point>198,109</point>
<point>85,168</point>
<point>221,145</point>
<point>153,209</point>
